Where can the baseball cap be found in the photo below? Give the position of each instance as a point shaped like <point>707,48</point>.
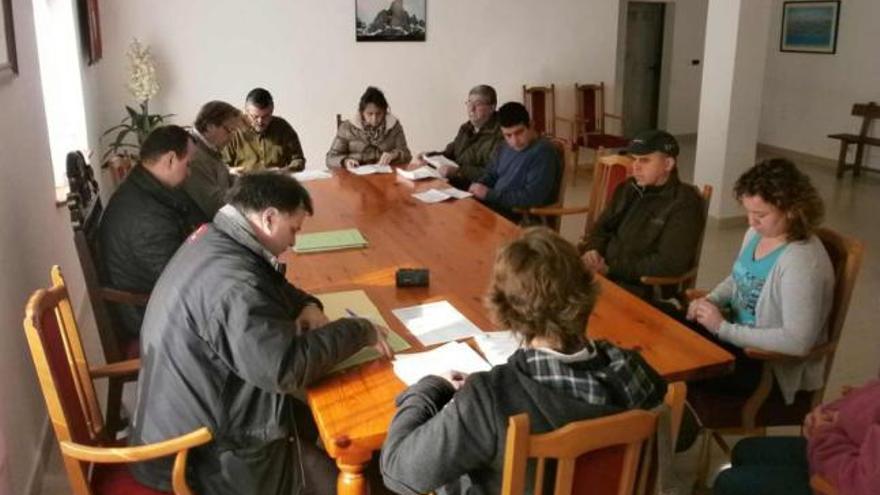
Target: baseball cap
<point>647,142</point>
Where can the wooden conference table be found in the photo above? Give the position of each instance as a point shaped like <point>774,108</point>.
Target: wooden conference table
<point>457,241</point>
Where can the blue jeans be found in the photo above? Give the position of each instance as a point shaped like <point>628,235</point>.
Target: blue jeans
<point>766,466</point>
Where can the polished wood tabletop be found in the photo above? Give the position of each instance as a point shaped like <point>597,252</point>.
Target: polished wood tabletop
<point>457,241</point>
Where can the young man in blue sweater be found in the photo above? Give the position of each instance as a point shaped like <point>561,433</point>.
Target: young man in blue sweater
<point>525,170</point>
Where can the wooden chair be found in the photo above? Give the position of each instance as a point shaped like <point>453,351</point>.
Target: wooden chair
<point>686,280</point>
<point>733,415</point>
<point>538,215</point>
<point>540,101</point>
<point>92,459</point>
<point>611,170</point>
<point>85,207</point>
<point>613,442</point>
<point>588,128</point>
<point>821,486</point>
<point>869,112</point>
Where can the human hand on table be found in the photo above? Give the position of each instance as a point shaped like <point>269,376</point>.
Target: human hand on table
<point>479,190</point>
<point>595,262</point>
<point>418,160</point>
<point>311,317</point>
<point>446,170</point>
<point>350,162</point>
<point>455,378</point>
<point>387,157</point>
<point>381,341</point>
<point>706,313</point>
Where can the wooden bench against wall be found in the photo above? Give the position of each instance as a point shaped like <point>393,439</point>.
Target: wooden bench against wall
<point>869,112</point>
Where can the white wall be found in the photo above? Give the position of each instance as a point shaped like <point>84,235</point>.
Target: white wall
<point>304,52</point>
<point>682,96</point>
<point>808,96</point>
<point>34,235</point>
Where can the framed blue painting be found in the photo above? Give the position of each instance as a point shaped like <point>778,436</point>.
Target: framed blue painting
<point>809,26</point>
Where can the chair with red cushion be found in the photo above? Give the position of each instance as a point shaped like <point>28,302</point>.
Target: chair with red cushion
<point>588,128</point>
<point>94,462</point>
<point>540,101</point>
<point>84,203</point>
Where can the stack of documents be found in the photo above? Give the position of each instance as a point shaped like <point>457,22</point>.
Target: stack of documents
<point>497,346</point>
<point>435,323</point>
<point>438,161</point>
<point>330,240</point>
<point>423,172</point>
<point>370,169</point>
<point>439,195</point>
<point>453,356</point>
<point>307,175</point>
<point>343,304</point>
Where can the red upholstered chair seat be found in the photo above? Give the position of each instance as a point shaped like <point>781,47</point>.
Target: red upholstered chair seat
<point>607,141</point>
<point>116,479</point>
<point>717,410</point>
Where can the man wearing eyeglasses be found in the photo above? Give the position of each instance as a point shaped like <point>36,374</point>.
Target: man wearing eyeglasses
<point>209,179</point>
<point>269,141</point>
<point>476,141</point>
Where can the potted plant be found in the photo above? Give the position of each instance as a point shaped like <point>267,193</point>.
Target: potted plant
<point>139,122</point>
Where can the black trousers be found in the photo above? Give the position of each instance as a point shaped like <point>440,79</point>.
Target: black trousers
<point>766,466</point>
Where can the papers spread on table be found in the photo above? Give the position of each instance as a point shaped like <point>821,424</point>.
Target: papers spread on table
<point>330,240</point>
<point>438,195</point>
<point>454,356</point>
<point>338,304</point>
<point>436,322</point>
<point>307,175</point>
<point>423,172</point>
<point>370,169</point>
<point>438,161</point>
<point>497,346</point>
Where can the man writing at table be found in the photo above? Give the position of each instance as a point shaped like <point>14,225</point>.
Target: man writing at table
<point>524,172</point>
<point>227,340</point>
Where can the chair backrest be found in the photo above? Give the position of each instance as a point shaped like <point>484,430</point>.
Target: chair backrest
<point>85,207</point>
<point>846,255</point>
<point>706,193</point>
<point>540,101</point>
<point>590,107</point>
<point>566,445</point>
<point>610,171</point>
<point>868,111</point>
<point>62,369</point>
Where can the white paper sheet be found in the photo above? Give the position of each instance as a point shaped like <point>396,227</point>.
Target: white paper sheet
<point>438,195</point>
<point>307,175</point>
<point>453,356</point>
<point>456,193</point>
<point>370,169</point>
<point>497,346</point>
<point>435,323</point>
<point>424,172</point>
<point>439,161</point>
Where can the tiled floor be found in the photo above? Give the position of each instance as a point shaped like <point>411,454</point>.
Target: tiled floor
<point>850,206</point>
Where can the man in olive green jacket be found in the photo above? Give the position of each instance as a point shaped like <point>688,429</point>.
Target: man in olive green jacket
<point>269,142</point>
<point>476,141</point>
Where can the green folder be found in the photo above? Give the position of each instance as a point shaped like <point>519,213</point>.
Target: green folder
<point>337,305</point>
<point>330,240</point>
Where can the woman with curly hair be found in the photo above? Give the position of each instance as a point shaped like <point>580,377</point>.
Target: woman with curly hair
<point>779,294</point>
<point>541,291</point>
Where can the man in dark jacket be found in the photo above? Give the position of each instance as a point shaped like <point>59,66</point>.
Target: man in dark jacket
<point>146,220</point>
<point>524,172</point>
<point>654,221</point>
<point>476,141</point>
<point>226,341</point>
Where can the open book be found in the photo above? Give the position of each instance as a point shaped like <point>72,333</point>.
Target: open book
<point>423,172</point>
<point>370,169</point>
<point>438,161</point>
<point>438,195</point>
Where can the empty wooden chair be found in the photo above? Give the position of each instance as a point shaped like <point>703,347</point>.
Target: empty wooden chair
<point>84,203</point>
<point>540,101</point>
<point>93,460</point>
<point>868,112</point>
<point>589,127</point>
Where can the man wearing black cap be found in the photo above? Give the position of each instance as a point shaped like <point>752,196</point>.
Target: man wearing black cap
<point>652,225</point>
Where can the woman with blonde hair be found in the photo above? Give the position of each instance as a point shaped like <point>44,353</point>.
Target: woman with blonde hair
<point>541,291</point>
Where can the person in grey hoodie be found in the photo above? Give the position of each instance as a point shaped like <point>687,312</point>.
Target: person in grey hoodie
<point>449,431</point>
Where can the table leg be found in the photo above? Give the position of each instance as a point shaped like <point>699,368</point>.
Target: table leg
<point>351,479</point>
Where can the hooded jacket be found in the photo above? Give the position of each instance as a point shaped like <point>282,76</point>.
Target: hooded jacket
<point>352,141</point>
<point>434,440</point>
<point>220,348</point>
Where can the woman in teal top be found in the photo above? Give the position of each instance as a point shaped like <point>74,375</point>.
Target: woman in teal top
<point>779,293</point>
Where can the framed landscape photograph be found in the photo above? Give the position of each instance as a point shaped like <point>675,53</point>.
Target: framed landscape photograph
<point>8,58</point>
<point>390,20</point>
<point>809,27</point>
